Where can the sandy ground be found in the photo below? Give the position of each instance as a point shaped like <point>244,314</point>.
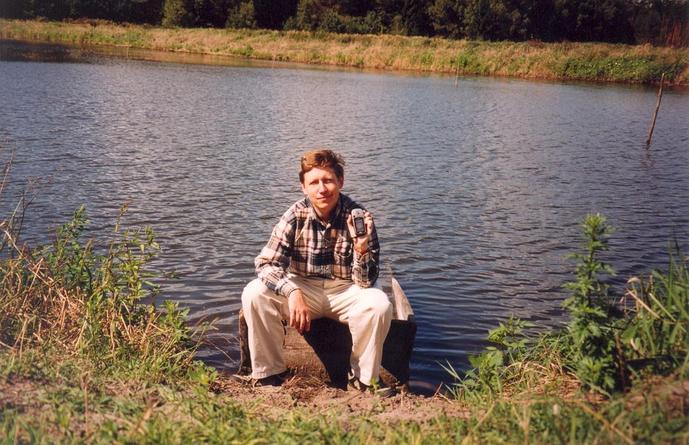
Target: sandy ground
<point>311,395</point>
<point>305,394</point>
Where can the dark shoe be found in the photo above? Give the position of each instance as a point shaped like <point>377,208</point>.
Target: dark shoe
<point>378,389</point>
<point>275,380</point>
<point>272,381</point>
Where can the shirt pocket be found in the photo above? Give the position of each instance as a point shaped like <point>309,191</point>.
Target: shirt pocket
<point>342,252</point>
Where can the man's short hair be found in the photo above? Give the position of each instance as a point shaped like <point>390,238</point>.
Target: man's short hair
<point>322,158</point>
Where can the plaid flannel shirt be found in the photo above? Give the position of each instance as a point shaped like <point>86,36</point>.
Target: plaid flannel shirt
<point>303,245</point>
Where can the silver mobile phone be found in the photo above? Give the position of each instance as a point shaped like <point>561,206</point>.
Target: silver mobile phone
<point>358,220</point>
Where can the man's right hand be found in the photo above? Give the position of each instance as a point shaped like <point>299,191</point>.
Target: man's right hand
<point>299,317</point>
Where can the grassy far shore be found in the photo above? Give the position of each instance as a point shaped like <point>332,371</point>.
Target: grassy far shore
<point>531,60</point>
<point>83,360</point>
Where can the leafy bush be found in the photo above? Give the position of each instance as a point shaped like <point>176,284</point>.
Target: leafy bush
<point>488,373</point>
<point>608,343</point>
<point>241,16</point>
<point>68,296</point>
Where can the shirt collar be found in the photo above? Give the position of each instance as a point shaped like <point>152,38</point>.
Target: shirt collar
<point>337,211</point>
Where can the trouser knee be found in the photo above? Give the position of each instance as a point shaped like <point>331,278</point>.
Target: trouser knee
<point>255,294</point>
<point>377,302</point>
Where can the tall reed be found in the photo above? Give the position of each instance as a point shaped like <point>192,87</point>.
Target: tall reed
<point>657,333</point>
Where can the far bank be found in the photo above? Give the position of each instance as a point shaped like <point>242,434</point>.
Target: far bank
<point>597,62</point>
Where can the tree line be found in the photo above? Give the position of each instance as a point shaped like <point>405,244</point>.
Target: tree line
<point>659,22</point>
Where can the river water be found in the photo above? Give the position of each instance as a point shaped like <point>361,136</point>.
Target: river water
<point>478,189</point>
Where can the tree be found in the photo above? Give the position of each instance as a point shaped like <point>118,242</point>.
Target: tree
<point>414,18</point>
<point>14,9</point>
<point>175,13</point>
<point>212,13</point>
<point>357,8</point>
<point>241,15</point>
<point>447,18</point>
<point>479,20</point>
<point>50,9</point>
<point>272,14</point>
<point>543,23</point>
<point>594,20</point>
<point>661,22</point>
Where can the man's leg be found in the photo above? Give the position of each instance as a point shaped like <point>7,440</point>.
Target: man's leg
<point>264,311</point>
<point>368,313</point>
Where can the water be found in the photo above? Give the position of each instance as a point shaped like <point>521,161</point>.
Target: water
<point>477,190</point>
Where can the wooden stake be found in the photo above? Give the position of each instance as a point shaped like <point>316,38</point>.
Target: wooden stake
<point>457,71</point>
<point>655,114</point>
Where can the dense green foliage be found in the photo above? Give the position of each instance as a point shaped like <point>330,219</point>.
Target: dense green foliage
<point>617,372</point>
<point>661,22</point>
<point>611,342</point>
<point>89,301</point>
<point>592,333</point>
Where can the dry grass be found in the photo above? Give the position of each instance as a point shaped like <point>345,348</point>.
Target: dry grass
<point>69,298</point>
<point>38,309</point>
<point>536,60</point>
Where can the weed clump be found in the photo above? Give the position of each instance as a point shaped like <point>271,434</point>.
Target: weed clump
<point>67,296</point>
<point>617,371</point>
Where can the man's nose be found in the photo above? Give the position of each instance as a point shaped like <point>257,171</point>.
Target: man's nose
<point>321,186</point>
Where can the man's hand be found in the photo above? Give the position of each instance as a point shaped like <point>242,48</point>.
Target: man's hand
<point>299,316</point>
<point>361,242</point>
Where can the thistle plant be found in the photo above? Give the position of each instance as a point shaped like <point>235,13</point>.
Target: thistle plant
<point>592,347</point>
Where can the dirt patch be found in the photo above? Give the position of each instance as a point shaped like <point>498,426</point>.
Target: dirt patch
<point>15,395</point>
<point>311,395</point>
<point>672,393</point>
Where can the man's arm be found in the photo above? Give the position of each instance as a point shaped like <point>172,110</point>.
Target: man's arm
<point>366,253</point>
<point>273,261</point>
<point>271,268</point>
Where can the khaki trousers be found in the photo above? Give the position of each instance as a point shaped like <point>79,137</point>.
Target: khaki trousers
<point>367,312</point>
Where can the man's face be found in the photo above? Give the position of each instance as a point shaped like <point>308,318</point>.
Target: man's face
<point>322,186</point>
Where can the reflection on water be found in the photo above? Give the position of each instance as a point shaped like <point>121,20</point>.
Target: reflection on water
<point>478,190</point>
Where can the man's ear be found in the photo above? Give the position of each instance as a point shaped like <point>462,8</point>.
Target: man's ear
<point>341,180</point>
<point>303,189</point>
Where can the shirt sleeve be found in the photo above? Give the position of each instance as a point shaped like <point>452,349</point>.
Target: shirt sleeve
<point>274,259</point>
<point>365,268</point>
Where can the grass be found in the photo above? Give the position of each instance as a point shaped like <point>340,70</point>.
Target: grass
<point>533,60</point>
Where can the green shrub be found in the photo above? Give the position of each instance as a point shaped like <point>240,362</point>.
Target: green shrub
<point>592,331</point>
<point>69,296</point>
<point>607,341</point>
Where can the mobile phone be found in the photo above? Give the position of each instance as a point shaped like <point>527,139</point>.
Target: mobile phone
<point>358,220</point>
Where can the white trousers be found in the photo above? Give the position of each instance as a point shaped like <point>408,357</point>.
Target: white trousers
<point>367,312</point>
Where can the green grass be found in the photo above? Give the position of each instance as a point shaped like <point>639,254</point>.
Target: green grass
<point>72,408</point>
<point>535,60</point>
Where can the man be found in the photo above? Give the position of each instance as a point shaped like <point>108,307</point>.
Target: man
<point>315,266</point>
